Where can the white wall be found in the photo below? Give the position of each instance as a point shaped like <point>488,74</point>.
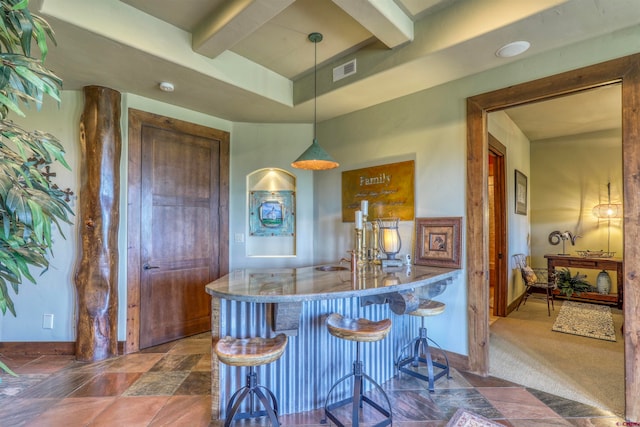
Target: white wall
<point>258,146</point>
<point>428,126</point>
<point>518,226</point>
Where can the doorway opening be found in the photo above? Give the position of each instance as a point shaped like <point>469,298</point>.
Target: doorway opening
<point>625,70</point>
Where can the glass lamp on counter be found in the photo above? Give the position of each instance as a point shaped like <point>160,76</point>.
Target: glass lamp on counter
<point>390,242</point>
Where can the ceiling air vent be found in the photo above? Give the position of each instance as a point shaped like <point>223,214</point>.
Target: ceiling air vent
<point>344,70</point>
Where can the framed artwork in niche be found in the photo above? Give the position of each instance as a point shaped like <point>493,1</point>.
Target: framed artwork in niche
<point>272,213</point>
<point>438,242</point>
<point>521,193</point>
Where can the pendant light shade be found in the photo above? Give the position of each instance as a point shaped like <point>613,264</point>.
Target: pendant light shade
<point>315,157</point>
<point>608,210</point>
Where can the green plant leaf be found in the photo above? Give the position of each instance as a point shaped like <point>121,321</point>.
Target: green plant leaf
<point>6,369</point>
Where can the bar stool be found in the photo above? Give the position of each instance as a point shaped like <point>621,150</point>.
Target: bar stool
<point>251,352</point>
<point>358,330</point>
<point>421,351</point>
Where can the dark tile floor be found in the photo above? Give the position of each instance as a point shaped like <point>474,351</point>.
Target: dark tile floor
<point>169,385</point>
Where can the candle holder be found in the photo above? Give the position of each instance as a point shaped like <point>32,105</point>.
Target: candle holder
<point>390,242</point>
<point>360,253</point>
<point>375,251</point>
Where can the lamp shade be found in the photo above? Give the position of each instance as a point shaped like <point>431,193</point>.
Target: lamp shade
<point>315,158</point>
<point>608,210</point>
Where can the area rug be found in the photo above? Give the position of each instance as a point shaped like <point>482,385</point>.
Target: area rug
<point>587,320</point>
<point>465,418</point>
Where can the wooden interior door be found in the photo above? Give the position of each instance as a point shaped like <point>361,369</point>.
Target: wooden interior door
<point>498,265</point>
<point>178,227</point>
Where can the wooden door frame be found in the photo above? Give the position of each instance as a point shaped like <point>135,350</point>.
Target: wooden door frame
<point>137,119</point>
<point>625,70</point>
<point>500,213</point>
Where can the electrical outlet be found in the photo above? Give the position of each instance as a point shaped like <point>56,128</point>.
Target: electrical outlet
<point>239,237</point>
<point>47,321</point>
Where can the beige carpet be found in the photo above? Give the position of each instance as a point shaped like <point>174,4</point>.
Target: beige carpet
<point>524,350</point>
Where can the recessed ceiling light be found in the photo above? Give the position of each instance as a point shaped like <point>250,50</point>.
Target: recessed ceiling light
<point>513,49</point>
<point>166,86</point>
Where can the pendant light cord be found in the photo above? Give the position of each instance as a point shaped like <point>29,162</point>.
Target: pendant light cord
<point>608,219</point>
<point>315,87</point>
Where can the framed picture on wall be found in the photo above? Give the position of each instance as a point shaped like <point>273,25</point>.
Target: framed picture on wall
<point>521,193</point>
<point>438,242</point>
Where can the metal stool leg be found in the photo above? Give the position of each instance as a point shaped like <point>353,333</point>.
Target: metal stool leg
<point>421,347</point>
<point>250,391</point>
<point>357,398</point>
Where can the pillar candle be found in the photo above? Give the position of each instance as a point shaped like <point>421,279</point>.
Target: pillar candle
<point>359,220</point>
<point>364,207</point>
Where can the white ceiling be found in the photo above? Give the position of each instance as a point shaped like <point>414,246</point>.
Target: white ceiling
<point>581,113</point>
<point>250,60</point>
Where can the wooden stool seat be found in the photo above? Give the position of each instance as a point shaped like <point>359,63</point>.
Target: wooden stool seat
<point>362,330</point>
<point>250,351</point>
<point>428,307</point>
<point>421,350</point>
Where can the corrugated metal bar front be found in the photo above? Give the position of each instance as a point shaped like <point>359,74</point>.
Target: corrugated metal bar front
<point>314,359</point>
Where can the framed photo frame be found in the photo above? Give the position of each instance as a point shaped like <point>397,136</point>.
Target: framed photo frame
<point>271,213</point>
<point>521,193</point>
<point>438,242</point>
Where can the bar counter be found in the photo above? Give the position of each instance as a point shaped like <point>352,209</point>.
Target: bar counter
<point>296,301</point>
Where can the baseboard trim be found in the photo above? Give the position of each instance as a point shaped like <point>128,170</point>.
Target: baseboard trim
<point>456,361</point>
<point>44,348</point>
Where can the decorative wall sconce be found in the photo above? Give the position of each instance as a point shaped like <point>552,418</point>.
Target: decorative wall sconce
<point>47,173</point>
<point>390,242</point>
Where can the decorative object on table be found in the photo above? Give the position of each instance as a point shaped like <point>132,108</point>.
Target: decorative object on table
<point>555,237</point>
<point>603,283</point>
<point>272,213</point>
<point>390,242</point>
<point>569,285</point>
<point>596,254</point>
<point>389,190</point>
<point>315,157</point>
<point>521,193</point>
<point>438,242</point>
<point>587,320</point>
<point>466,418</point>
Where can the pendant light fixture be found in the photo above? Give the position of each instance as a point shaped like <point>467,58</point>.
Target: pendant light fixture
<point>608,211</point>
<point>315,157</point>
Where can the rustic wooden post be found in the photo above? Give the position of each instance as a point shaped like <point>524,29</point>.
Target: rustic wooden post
<point>96,276</point>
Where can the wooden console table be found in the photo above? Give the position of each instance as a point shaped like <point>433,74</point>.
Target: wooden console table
<point>612,264</point>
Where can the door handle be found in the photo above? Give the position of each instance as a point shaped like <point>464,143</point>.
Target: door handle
<point>149,267</point>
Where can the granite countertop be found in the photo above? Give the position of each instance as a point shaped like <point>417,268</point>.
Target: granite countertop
<point>277,285</point>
